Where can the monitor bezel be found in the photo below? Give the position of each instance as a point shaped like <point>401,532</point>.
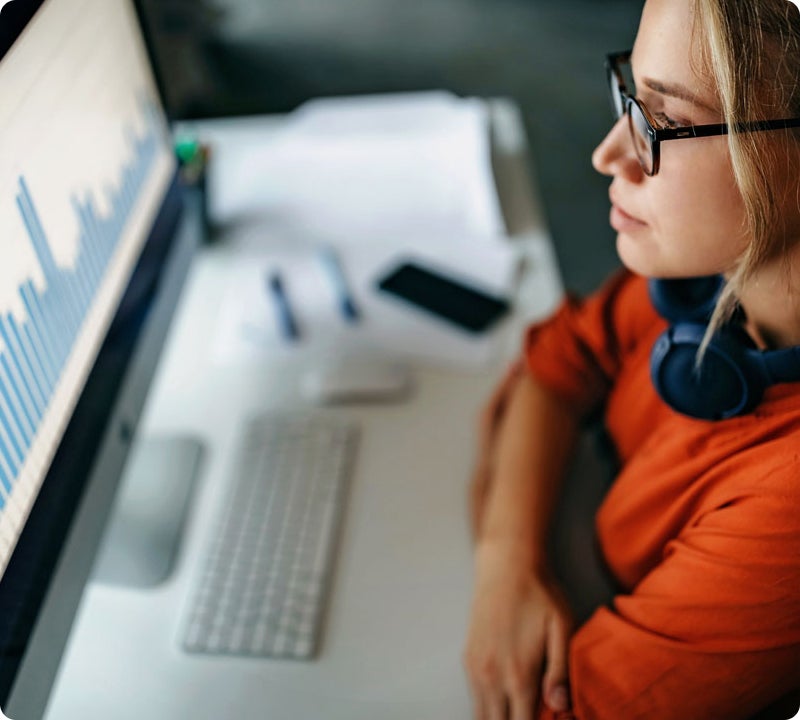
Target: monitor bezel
<point>42,586</point>
<point>14,18</point>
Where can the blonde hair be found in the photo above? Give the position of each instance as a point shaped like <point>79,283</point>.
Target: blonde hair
<point>752,49</point>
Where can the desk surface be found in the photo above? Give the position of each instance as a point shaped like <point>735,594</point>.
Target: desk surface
<point>397,614</point>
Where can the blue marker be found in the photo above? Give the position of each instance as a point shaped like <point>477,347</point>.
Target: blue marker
<point>289,326</point>
<point>334,268</point>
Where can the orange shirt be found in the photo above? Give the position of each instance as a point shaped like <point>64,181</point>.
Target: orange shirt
<point>701,527</point>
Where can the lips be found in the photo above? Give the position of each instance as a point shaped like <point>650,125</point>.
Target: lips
<point>621,220</point>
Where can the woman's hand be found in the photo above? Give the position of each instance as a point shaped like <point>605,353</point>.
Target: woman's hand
<point>490,419</point>
<point>518,638</point>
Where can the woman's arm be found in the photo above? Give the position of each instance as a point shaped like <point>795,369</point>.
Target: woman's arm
<point>520,625</point>
<point>529,454</point>
<point>519,628</point>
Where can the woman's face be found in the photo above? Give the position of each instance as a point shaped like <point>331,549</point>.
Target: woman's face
<point>689,219</point>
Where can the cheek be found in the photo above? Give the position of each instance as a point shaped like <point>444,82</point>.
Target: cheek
<point>702,209</point>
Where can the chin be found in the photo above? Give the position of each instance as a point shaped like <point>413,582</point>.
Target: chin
<point>639,258</point>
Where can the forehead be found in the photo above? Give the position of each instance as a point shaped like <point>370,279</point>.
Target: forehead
<point>668,48</point>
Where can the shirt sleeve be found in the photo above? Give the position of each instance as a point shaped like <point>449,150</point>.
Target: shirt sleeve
<point>577,353</point>
<point>713,631</point>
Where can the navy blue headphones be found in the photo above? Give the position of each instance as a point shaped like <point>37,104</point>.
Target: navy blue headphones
<point>734,373</point>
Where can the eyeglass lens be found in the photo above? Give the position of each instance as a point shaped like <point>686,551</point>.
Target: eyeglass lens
<point>637,123</point>
<point>640,132</point>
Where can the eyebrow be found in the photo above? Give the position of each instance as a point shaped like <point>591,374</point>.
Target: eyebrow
<point>679,91</point>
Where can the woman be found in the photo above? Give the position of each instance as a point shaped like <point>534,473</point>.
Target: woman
<point>701,528</point>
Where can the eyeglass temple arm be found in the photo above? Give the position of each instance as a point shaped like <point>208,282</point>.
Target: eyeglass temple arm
<point>723,129</point>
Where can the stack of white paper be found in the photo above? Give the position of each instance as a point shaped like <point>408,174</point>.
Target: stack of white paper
<point>365,168</point>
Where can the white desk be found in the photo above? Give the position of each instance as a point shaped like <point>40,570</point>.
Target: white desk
<point>397,614</point>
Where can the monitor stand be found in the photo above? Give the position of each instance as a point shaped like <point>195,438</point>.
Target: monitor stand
<point>146,525</point>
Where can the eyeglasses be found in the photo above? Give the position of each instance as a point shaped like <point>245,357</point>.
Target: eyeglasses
<point>647,136</point>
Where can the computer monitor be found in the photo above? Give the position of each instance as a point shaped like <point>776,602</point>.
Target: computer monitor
<point>94,245</point>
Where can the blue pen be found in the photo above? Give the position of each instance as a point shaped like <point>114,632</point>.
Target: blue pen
<point>285,315</point>
<point>334,268</point>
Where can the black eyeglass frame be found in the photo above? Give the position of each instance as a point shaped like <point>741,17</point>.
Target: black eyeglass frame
<point>657,135</point>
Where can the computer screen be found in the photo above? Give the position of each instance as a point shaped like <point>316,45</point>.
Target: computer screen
<point>91,256</point>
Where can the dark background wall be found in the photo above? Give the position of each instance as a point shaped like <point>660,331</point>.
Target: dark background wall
<point>221,57</point>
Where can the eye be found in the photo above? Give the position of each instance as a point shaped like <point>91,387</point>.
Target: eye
<point>667,122</point>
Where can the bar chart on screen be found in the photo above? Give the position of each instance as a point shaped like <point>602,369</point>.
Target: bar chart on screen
<point>68,241</point>
<point>36,347</point>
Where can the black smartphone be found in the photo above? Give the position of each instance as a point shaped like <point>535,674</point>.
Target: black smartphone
<point>445,296</point>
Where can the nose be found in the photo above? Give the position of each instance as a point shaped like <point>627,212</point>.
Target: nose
<point>615,155</point>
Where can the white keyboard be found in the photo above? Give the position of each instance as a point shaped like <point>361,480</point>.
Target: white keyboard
<point>268,567</point>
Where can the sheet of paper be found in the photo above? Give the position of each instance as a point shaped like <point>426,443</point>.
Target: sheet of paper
<point>352,167</point>
<point>249,324</point>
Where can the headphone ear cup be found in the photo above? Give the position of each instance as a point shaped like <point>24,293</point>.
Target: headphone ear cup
<point>723,386</point>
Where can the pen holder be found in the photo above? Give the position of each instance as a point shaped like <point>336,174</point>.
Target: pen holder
<point>193,158</point>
